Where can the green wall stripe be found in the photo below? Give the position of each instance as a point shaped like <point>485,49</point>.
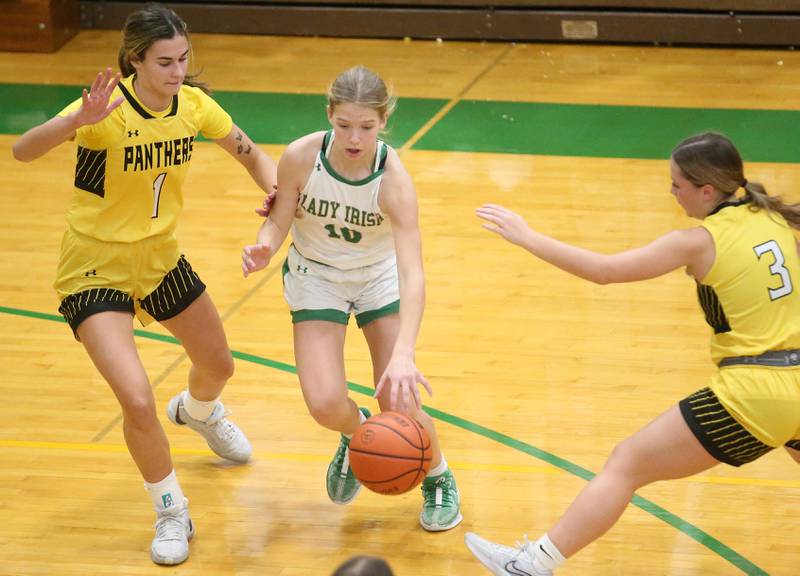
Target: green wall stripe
<point>690,530</point>
<point>608,131</point>
<point>268,118</point>
<point>476,126</point>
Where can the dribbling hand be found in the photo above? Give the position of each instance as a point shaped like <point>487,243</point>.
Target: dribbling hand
<point>504,222</point>
<point>255,257</point>
<point>401,375</point>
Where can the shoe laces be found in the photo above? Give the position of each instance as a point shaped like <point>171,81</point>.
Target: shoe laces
<point>341,451</point>
<point>443,482</point>
<point>525,547</point>
<point>222,427</point>
<point>170,527</point>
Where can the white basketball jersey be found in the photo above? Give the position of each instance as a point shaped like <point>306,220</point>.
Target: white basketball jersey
<point>339,221</point>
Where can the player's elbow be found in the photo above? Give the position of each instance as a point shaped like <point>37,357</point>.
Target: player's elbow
<point>20,153</point>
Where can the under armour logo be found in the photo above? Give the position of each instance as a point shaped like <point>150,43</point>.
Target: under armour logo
<point>318,166</point>
<point>303,269</point>
<point>132,133</point>
<point>90,273</point>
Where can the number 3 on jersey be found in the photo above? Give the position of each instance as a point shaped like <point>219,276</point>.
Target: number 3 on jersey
<point>158,184</point>
<point>777,268</point>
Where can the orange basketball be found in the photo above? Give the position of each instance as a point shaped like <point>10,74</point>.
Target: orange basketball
<point>390,453</point>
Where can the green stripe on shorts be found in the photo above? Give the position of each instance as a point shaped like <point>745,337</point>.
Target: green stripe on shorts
<point>326,315</point>
<point>366,317</point>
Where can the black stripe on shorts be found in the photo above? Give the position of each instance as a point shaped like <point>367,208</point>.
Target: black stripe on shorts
<point>719,433</point>
<point>179,288</point>
<point>78,307</point>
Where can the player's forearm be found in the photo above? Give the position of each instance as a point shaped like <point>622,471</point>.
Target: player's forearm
<point>263,171</point>
<point>412,306</point>
<point>271,234</point>
<point>577,261</point>
<point>39,140</point>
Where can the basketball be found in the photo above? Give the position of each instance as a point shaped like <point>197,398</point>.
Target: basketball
<point>390,453</point>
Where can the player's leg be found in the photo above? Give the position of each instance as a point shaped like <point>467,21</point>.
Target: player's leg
<point>108,339</point>
<point>179,301</point>
<point>319,356</point>
<point>441,508</point>
<point>94,280</point>
<point>664,449</point>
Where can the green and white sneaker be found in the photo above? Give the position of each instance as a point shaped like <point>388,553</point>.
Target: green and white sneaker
<point>441,509</point>
<point>342,484</point>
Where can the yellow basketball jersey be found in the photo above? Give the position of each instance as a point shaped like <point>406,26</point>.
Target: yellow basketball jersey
<point>131,166</point>
<point>750,295</point>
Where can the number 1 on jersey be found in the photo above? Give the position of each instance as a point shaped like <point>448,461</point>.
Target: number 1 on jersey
<point>158,184</point>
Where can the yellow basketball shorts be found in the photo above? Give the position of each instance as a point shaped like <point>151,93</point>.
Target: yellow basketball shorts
<point>745,412</point>
<point>148,278</point>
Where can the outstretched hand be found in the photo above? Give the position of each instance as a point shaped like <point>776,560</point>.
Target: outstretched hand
<point>255,257</point>
<point>402,376</point>
<point>96,105</point>
<point>504,222</point>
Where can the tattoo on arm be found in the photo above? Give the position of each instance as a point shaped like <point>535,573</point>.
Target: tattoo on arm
<point>242,148</point>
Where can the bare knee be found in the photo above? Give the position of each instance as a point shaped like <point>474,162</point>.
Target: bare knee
<point>140,412</point>
<point>218,368</point>
<point>625,465</point>
<point>328,411</point>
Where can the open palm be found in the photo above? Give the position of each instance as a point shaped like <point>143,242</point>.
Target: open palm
<point>96,105</point>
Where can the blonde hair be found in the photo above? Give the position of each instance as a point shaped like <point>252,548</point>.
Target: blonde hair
<point>145,27</point>
<point>362,86</point>
<point>711,158</point>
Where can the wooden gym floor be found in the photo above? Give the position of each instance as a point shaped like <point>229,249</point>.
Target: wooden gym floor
<point>536,375</point>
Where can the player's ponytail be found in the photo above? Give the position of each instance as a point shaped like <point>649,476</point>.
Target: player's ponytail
<point>712,158</point>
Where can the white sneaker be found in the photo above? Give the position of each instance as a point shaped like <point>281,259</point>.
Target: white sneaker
<point>504,560</point>
<point>222,435</point>
<point>174,529</point>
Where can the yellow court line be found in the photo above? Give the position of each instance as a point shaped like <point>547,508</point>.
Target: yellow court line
<point>294,457</point>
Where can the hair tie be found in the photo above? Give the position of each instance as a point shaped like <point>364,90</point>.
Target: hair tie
<point>744,183</point>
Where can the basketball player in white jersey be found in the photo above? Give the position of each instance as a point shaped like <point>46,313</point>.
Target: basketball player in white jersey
<point>352,210</point>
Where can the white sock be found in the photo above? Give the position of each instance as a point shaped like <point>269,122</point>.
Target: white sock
<point>546,555</point>
<point>361,420</point>
<point>440,469</point>
<point>165,493</point>
<point>198,409</point>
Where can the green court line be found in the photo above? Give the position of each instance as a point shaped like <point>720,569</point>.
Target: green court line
<point>690,530</point>
<point>476,126</point>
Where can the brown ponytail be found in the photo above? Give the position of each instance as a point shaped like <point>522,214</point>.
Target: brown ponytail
<point>712,158</point>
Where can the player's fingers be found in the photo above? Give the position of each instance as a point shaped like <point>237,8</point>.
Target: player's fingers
<point>96,84</point>
<point>379,387</point>
<point>116,103</point>
<point>424,382</point>
<point>416,397</point>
